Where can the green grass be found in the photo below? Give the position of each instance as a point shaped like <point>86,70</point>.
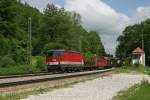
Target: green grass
<point>22,69</point>
<point>38,65</point>
<point>21,95</point>
<point>128,69</point>
<point>137,92</point>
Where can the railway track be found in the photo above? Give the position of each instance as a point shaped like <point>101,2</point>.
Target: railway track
<point>24,75</point>
<point>9,81</point>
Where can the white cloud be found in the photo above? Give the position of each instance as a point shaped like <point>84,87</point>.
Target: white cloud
<point>141,14</point>
<point>96,15</point>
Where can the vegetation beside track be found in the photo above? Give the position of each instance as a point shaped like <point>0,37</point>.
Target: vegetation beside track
<point>22,69</point>
<point>136,69</point>
<point>137,92</point>
<point>37,66</point>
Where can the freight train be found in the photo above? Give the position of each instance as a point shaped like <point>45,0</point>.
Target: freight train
<point>64,61</point>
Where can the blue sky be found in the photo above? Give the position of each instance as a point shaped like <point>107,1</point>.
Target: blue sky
<point>124,6</point>
<point>60,2</point>
<point>127,6</point>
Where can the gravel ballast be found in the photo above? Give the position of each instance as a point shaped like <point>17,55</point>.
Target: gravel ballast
<point>103,88</point>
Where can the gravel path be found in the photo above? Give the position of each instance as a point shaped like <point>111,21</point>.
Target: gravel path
<point>99,89</point>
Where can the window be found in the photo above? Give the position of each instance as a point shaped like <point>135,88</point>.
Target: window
<point>136,56</point>
<point>54,54</point>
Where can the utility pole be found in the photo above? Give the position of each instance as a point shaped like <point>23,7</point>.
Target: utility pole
<point>80,43</point>
<point>143,55</point>
<point>143,34</point>
<point>29,51</point>
<point>142,40</point>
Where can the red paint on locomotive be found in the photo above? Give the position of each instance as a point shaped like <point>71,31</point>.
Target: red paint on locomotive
<point>62,57</point>
<point>72,57</point>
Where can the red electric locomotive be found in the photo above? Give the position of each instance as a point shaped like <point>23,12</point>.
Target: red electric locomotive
<point>62,60</point>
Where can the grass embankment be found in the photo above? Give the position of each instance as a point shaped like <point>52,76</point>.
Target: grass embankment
<point>128,69</point>
<point>138,92</point>
<point>20,69</point>
<point>38,65</point>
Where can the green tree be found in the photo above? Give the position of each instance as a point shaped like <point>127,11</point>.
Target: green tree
<point>60,27</point>
<point>13,29</point>
<point>7,15</point>
<point>93,43</point>
<point>131,38</point>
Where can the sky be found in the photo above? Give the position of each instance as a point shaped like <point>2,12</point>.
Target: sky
<point>127,6</point>
<point>108,17</point>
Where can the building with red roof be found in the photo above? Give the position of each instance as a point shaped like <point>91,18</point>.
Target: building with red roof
<point>138,50</point>
<point>138,56</point>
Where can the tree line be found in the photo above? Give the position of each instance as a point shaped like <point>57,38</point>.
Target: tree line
<point>131,38</point>
<point>55,28</point>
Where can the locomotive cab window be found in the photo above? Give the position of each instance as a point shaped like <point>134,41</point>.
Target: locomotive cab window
<point>49,54</point>
<point>54,54</point>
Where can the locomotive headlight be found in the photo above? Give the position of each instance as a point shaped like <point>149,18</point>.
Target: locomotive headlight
<point>53,63</point>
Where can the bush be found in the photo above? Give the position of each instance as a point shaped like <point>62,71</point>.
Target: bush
<point>19,69</point>
<point>6,61</point>
<point>137,64</point>
<point>127,61</point>
<point>40,64</point>
<point>89,57</point>
<point>10,67</point>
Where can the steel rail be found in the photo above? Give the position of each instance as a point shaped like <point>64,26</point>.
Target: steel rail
<point>23,75</point>
<point>8,82</point>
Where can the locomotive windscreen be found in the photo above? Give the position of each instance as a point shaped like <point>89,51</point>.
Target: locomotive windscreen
<point>54,54</point>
